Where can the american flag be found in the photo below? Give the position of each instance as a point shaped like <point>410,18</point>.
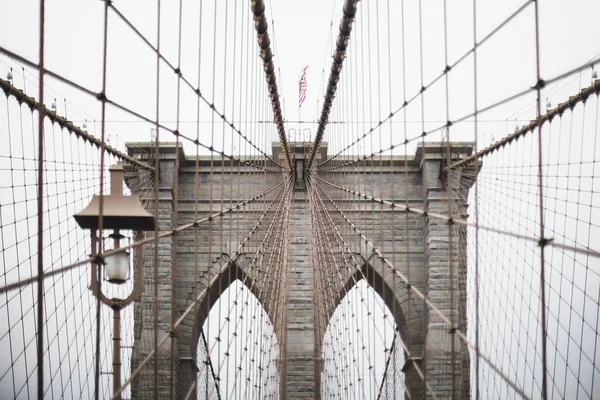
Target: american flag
<point>302,88</point>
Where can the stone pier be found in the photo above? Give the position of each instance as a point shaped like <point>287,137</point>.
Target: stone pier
<point>300,382</point>
<point>416,243</point>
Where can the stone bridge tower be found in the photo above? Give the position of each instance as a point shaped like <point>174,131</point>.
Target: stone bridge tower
<point>421,250</point>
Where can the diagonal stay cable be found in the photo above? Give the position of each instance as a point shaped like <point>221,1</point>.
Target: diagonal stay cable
<point>450,220</point>
<point>48,274</point>
<point>463,118</point>
<point>582,96</point>
<point>463,337</point>
<point>102,97</point>
<point>200,296</point>
<point>64,123</point>
<point>356,265</point>
<point>437,78</point>
<point>180,75</point>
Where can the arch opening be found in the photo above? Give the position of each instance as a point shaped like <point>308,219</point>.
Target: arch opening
<point>237,348</point>
<point>362,350</point>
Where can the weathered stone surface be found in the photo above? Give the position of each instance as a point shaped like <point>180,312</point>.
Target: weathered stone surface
<point>417,245</point>
<point>301,351</point>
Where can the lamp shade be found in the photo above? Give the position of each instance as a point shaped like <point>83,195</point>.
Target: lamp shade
<point>117,267</point>
<point>119,211</point>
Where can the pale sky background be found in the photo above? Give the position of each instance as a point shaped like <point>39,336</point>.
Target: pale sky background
<point>302,34</point>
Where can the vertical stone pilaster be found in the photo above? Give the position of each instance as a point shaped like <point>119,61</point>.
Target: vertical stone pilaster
<point>445,280</point>
<point>167,355</point>
<point>300,358</point>
<point>188,373</point>
<point>301,353</point>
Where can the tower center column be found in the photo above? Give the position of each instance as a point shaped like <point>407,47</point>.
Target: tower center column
<point>300,347</point>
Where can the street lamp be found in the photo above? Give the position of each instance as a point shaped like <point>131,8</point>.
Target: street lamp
<point>117,265</point>
<point>119,212</point>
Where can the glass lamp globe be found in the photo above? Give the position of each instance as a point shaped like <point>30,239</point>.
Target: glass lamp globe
<point>117,267</point>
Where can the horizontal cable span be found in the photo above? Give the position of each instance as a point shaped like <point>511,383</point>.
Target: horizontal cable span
<point>33,104</point>
<point>558,111</point>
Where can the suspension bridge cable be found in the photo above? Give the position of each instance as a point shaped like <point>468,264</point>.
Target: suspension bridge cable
<point>334,76</point>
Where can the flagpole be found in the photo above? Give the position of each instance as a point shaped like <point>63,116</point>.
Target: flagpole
<point>300,107</point>
<point>301,98</point>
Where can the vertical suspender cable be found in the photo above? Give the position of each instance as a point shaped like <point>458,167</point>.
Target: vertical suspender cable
<point>156,203</point>
<point>476,197</point>
<point>97,246</point>
<point>543,240</point>
<point>40,216</point>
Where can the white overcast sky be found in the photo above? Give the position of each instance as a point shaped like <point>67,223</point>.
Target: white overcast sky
<point>302,35</point>
<point>302,32</point>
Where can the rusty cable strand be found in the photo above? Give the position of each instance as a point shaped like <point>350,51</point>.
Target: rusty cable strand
<point>252,263</point>
<point>280,213</point>
<point>422,296</point>
<point>122,249</point>
<point>257,254</point>
<point>582,96</point>
<point>341,239</point>
<point>40,217</point>
<point>64,123</point>
<point>357,266</point>
<point>264,42</point>
<point>327,300</point>
<point>387,366</point>
<point>181,76</point>
<point>573,100</point>
<point>321,233</point>
<point>141,116</point>
<point>204,291</point>
<point>333,228</point>
<point>463,222</point>
<point>334,76</point>
<point>216,379</point>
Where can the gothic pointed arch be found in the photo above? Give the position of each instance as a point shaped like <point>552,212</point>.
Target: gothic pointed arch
<point>225,272</point>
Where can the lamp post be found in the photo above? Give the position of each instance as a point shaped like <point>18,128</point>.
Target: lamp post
<point>120,212</point>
